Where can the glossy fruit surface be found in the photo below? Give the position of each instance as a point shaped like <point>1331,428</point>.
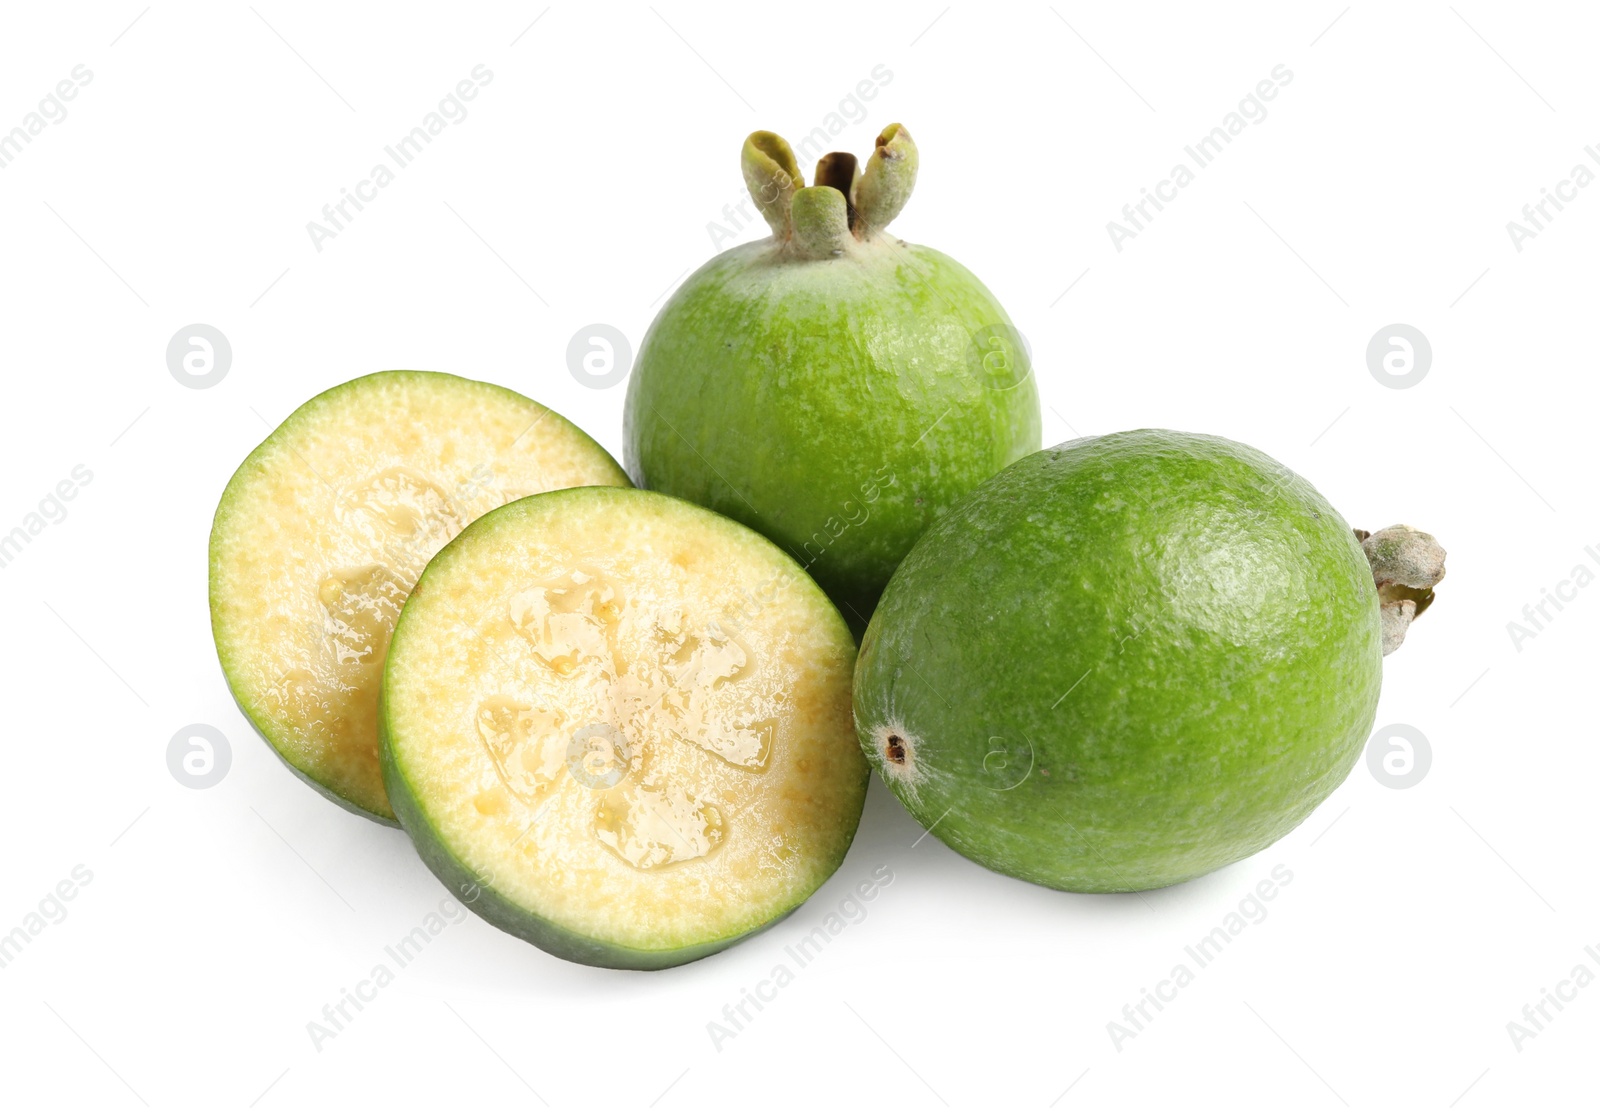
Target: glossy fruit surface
<point>1123,662</point>
<point>833,387</point>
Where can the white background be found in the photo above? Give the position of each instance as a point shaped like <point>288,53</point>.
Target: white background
<point>578,190</point>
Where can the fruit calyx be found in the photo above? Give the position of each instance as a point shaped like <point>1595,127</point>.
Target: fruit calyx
<point>846,206</point>
<point>1406,564</point>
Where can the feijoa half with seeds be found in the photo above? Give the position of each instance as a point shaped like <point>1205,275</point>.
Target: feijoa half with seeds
<point>325,527</point>
<point>618,726</point>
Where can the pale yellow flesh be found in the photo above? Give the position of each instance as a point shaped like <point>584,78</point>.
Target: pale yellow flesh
<point>630,717</point>
<point>325,529</point>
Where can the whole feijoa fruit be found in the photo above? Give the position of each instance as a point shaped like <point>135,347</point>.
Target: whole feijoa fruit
<point>589,736</point>
<point>323,530</point>
<point>832,386</point>
<point>1129,660</point>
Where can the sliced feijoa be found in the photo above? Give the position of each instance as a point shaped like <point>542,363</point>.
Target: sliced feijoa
<point>618,726</point>
<point>324,529</point>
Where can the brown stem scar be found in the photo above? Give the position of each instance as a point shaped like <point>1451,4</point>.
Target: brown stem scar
<point>1406,564</point>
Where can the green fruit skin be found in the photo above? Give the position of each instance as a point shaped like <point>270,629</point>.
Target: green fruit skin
<point>1124,662</point>
<point>837,406</point>
<point>477,892</point>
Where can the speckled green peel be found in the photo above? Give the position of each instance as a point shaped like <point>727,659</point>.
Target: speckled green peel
<point>828,386</point>
<point>1123,662</point>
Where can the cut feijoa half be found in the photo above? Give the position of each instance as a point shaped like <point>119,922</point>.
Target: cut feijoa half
<point>324,529</point>
<point>618,726</point>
